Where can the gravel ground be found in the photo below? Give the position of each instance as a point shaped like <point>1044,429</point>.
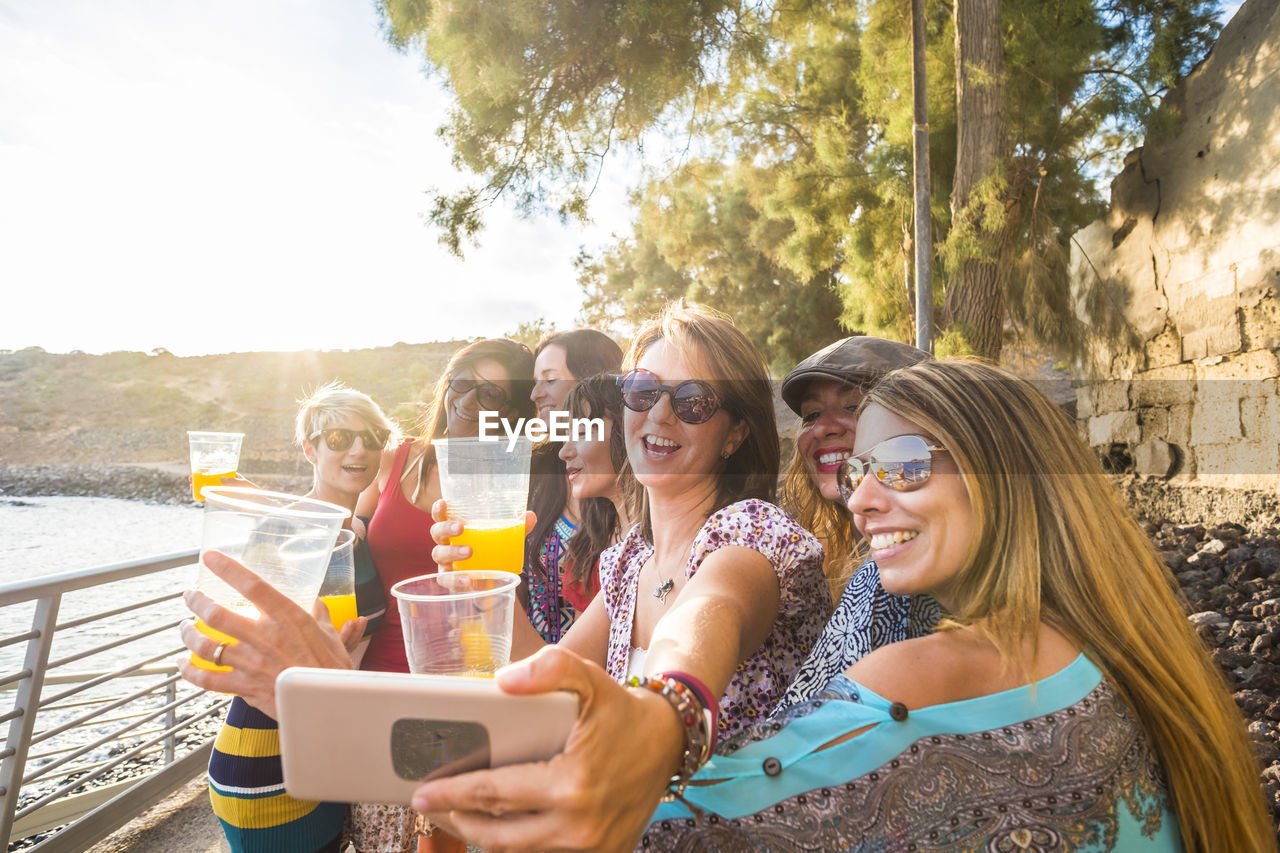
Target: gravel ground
<point>1232,582</point>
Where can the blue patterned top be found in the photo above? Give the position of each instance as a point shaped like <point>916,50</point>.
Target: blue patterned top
<point>550,612</point>
<point>866,618</point>
<point>1061,766</point>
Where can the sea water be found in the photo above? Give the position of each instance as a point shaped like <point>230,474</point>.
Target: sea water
<point>50,535</point>
<point>42,536</point>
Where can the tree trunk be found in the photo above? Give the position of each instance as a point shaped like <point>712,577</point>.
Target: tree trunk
<point>974,302</point>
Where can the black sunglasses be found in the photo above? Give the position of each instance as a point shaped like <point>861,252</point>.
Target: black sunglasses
<point>339,440</point>
<point>903,463</point>
<point>489,396</point>
<point>693,401</point>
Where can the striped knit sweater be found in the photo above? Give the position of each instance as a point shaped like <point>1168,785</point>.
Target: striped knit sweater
<point>246,781</point>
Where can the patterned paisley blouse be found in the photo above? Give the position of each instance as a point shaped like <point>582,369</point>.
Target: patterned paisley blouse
<point>1062,767</point>
<point>803,606</point>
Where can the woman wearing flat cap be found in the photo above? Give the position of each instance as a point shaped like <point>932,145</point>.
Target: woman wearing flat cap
<point>825,390</point>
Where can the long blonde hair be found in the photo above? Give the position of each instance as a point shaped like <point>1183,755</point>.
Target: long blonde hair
<point>1057,544</point>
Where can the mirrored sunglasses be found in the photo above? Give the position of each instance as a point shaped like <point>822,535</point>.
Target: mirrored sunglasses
<point>489,396</point>
<point>339,440</point>
<point>692,401</point>
<point>903,463</point>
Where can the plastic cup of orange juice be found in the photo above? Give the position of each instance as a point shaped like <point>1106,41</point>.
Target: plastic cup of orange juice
<point>486,484</point>
<point>338,589</point>
<point>286,540</point>
<point>457,623</point>
<point>214,455</point>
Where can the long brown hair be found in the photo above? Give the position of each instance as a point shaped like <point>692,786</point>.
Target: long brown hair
<point>515,359</point>
<point>598,397</point>
<point>586,353</point>
<point>1056,544</point>
<point>741,381</point>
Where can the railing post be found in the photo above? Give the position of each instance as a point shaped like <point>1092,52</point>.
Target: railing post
<point>25,702</point>
<point>170,720</point>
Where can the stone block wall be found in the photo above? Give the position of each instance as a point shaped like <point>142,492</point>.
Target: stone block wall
<point>1212,422</point>
<point>1180,282</point>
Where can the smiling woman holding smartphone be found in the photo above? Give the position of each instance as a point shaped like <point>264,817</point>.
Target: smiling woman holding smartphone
<point>713,585</point>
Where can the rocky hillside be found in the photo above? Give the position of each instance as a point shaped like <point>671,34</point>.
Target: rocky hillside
<point>130,408</point>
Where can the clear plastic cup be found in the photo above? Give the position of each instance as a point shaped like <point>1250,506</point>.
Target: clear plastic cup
<point>338,589</point>
<point>214,455</point>
<point>486,484</point>
<point>457,623</point>
<point>287,540</point>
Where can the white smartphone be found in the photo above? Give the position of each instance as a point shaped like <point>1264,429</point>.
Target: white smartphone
<point>372,737</point>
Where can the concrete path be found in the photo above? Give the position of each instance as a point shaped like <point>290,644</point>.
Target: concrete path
<point>183,822</point>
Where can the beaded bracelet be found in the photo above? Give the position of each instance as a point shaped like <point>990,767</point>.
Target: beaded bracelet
<point>694,717</point>
<point>705,696</point>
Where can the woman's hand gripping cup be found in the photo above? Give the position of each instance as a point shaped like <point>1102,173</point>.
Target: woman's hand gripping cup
<point>282,635</point>
<point>525,640</point>
<point>486,484</point>
<point>449,552</point>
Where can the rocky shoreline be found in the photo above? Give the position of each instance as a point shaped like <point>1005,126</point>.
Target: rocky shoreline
<point>152,483</point>
<point>1229,573</point>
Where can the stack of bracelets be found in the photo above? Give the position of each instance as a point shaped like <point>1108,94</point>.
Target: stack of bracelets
<point>698,712</point>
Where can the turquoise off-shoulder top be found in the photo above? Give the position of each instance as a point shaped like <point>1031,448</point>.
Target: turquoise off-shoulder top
<point>1061,764</point>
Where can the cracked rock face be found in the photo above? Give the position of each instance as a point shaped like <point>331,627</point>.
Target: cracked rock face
<point>1190,249</point>
<point>1179,283</point>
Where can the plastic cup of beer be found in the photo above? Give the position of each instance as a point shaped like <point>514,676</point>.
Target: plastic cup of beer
<point>286,540</point>
<point>486,484</point>
<point>214,455</point>
<point>457,623</point>
<point>338,589</point>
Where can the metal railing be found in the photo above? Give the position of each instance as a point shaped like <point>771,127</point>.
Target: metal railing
<point>90,748</point>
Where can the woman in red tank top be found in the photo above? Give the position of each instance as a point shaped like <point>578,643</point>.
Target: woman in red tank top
<point>489,375</point>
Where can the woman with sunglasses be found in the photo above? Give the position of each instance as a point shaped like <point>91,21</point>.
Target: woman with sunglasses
<point>487,375</point>
<point>713,582</point>
<point>557,588</point>
<point>824,390</point>
<point>1066,703</point>
<point>342,433</point>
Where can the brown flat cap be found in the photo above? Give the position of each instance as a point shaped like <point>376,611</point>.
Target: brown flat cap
<point>859,360</point>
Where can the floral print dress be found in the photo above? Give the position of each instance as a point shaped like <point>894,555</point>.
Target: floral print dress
<point>804,601</point>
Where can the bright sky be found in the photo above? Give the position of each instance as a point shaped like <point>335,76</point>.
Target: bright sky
<point>243,175</point>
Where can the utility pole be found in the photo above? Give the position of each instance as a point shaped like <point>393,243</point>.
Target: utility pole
<point>920,160</point>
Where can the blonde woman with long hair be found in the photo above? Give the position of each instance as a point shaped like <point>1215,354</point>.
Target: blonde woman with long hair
<point>1067,698</point>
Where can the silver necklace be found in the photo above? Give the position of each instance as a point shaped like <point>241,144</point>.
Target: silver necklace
<point>663,589</point>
